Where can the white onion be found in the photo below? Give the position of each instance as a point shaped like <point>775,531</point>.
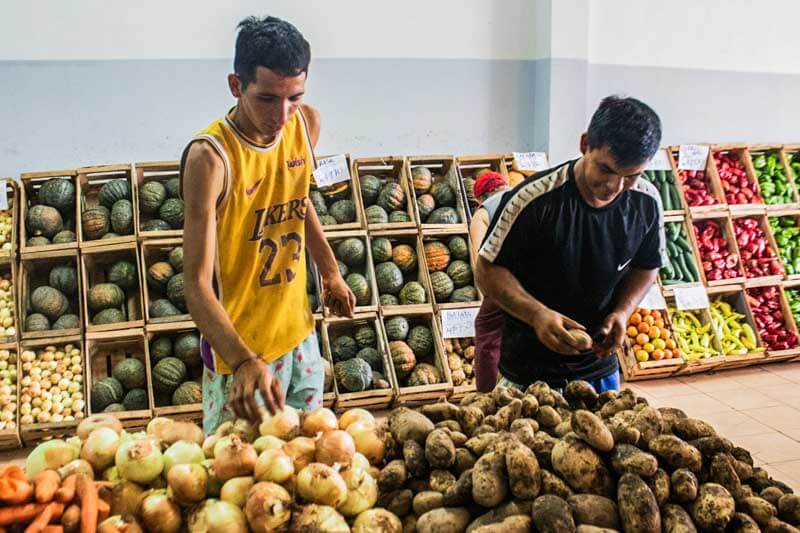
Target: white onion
<point>274,465</point>
<point>284,424</point>
<point>93,422</point>
<point>235,490</point>
<point>215,516</point>
<point>182,452</point>
<point>268,507</point>
<point>369,440</point>
<point>319,421</point>
<point>100,447</point>
<point>267,442</point>
<point>240,427</point>
<point>234,459</point>
<point>159,513</point>
<point>49,455</point>
<point>208,446</point>
<point>335,446</point>
<point>319,483</point>
<point>355,415</point>
<point>301,450</point>
<point>319,518</point>
<point>188,483</point>
<point>359,461</point>
<point>377,521</point>
<point>139,460</point>
<point>362,491</point>
<point>78,466</point>
<point>119,524</point>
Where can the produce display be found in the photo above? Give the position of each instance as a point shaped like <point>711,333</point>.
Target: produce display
<point>772,179</point>
<point>8,390</point>
<point>113,215</point>
<point>468,177</point>
<point>765,304</point>
<point>7,226</point>
<point>110,288</point>
<point>334,204</point>
<point>176,368</point>
<point>358,358</point>
<point>412,350</point>
<point>758,257</point>
<point>8,324</point>
<point>397,271</point>
<point>352,258</point>
<point>436,199</point>
<point>664,181</point>
<point>448,263</point>
<point>794,163</point>
<point>735,335</point>
<point>718,260</point>
<point>53,297</point>
<point>738,187</point>
<point>696,185</point>
<point>681,267</point>
<point>51,385</point>
<point>650,336</point>
<point>160,205</point>
<point>50,216</point>
<point>460,355</point>
<point>793,298</point>
<point>125,389</point>
<point>165,284</point>
<point>694,336</point>
<point>384,199</point>
<point>786,233</point>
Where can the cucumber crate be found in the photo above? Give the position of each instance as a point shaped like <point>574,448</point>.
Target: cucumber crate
<point>113,288</point>
<point>162,273</point>
<point>436,189</point>
<point>664,179</point>
<point>107,209</point>
<point>681,267</point>
<point>49,294</point>
<point>48,211</point>
<point>157,200</point>
<point>384,193</point>
<point>174,355</point>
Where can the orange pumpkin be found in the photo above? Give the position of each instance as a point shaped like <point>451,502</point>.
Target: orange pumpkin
<point>422,179</point>
<point>515,177</point>
<point>437,256</point>
<point>405,257</point>
<point>403,358</point>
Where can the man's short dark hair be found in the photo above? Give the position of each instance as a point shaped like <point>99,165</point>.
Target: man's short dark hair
<point>629,127</point>
<point>272,43</point>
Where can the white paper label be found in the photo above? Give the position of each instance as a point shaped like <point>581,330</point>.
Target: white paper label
<point>692,156</point>
<point>457,323</point>
<point>653,299</point>
<point>660,161</point>
<point>331,170</point>
<point>3,195</point>
<point>692,297</point>
<point>532,161</point>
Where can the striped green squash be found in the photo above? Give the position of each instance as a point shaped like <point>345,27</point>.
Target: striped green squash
<point>360,287</point>
<point>168,374</point>
<point>397,328</point>
<point>460,272</point>
<point>420,340</point>
<point>381,250</point>
<point>442,286</point>
<point>413,293</point>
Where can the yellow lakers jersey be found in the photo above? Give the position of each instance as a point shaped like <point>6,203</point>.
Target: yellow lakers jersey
<point>260,263</point>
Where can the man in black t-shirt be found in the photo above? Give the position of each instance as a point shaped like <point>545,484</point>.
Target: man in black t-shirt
<point>577,246</point>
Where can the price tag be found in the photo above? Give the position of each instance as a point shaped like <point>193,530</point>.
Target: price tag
<point>692,156</point>
<point>692,297</point>
<point>533,161</point>
<point>457,323</point>
<point>331,170</point>
<point>3,195</point>
<point>660,161</point>
<point>653,299</point>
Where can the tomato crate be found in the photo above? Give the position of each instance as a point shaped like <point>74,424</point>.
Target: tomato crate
<point>45,220</point>
<point>106,218</point>
<point>354,256</point>
<point>360,338</point>
<point>112,265</point>
<point>777,354</point>
<point>661,361</point>
<point>409,347</point>
<point>157,186</point>
<point>405,247</point>
<point>711,356</point>
<point>10,324</point>
<point>470,167</point>
<point>716,248</point>
<point>182,341</point>
<point>10,370</point>
<point>710,184</point>
<point>776,181</point>
<point>34,427</point>
<point>161,263</point>
<point>459,354</point>
<point>450,262</point>
<point>734,296</point>
<point>437,193</point>
<point>329,392</point>
<point>62,304</point>
<point>749,251</point>
<point>733,169</point>
<point>372,176</point>
<point>338,206</point>
<point>9,218</point>
<point>681,248</point>
<point>105,351</point>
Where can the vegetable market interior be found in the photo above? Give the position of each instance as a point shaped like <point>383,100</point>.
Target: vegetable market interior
<point>478,266</point>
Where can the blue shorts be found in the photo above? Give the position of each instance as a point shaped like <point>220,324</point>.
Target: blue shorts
<point>610,382</point>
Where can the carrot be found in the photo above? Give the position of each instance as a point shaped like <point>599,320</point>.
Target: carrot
<point>103,510</point>
<point>46,483</point>
<point>13,472</point>
<point>53,529</point>
<point>20,514</point>
<point>67,491</point>
<point>88,494</point>
<point>43,519</point>
<point>71,519</point>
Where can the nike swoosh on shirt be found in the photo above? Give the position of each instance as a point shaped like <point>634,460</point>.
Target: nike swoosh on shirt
<point>623,265</point>
<point>252,189</point>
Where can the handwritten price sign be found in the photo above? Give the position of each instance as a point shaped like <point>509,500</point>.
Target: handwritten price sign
<point>458,323</point>
<point>660,161</point>
<point>532,161</point>
<point>692,156</point>
<point>331,170</point>
<point>692,297</point>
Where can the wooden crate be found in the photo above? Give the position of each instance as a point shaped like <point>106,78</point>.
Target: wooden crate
<point>192,412</point>
<point>152,171</point>
<point>690,236</point>
<point>367,270</point>
<point>34,433</point>
<point>764,225</point>
<point>107,348</point>
<point>389,168</point>
<point>712,180</point>
<point>8,245</point>
<point>459,391</point>
<point>153,251</point>
<point>766,149</point>
<point>735,296</point>
<point>742,154</point>
<point>443,169</point>
<point>672,173</point>
<point>704,364</point>
<point>411,238</point>
<point>634,370</point>
<point>423,393</point>
<point>780,213</point>
<point>94,264</point>
<point>329,394</point>
<point>442,236</point>
<point>344,190</point>
<point>34,272</point>
<point>90,180</point>
<point>730,238</point>
<point>371,398</point>
<point>774,356</point>
<point>30,183</point>
<point>469,167</point>
<point>9,437</point>
<point>9,272</point>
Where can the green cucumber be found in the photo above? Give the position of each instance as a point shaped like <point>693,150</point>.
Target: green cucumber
<point>689,260</point>
<point>673,250</point>
<point>664,192</point>
<point>676,198</point>
<point>673,230</point>
<point>683,243</point>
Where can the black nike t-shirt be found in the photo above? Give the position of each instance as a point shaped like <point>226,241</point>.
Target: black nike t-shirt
<point>571,257</point>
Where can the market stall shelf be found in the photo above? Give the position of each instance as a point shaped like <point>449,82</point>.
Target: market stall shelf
<point>384,193</point>
<point>162,272</point>
<point>49,295</point>
<point>696,339</point>
<point>470,167</point>
<point>732,168</point>
<point>775,325</point>
<point>157,199</point>
<point>9,218</point>
<point>10,371</point>
<point>664,179</point>
<point>436,190</point>
<point>700,189</point>
<point>459,352</point>
<point>757,250</point>
<point>48,211</point>
<point>172,351</point>
<point>107,208</point>
<point>716,247</point>
<point>338,206</point>
<point>354,258</point>
<point>682,268</point>
<point>650,350</point>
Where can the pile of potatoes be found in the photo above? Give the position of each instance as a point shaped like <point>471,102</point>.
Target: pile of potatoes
<point>511,461</point>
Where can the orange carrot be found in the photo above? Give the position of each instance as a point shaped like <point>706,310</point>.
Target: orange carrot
<point>13,472</point>
<point>88,495</point>
<point>20,514</point>
<point>53,529</point>
<point>15,491</point>
<point>103,510</point>
<point>43,519</point>
<point>67,491</point>
<point>71,519</point>
<point>46,483</point>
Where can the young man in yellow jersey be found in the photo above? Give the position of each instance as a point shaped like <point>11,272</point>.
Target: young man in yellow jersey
<point>245,182</point>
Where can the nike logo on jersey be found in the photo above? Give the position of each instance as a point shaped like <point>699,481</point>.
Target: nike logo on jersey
<point>251,190</point>
<point>621,267</point>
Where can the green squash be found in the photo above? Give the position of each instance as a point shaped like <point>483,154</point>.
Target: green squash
<point>318,202</point>
<point>412,293</point>
<point>344,211</point>
<point>376,215</point>
<point>163,308</point>
<point>122,217</point>
<point>173,186</point>
<point>64,278</point>
<point>136,400</point>
<point>343,270</point>
<point>399,216</point>
<point>370,188</point>
<point>426,204</point>
<point>343,347</point>
<point>155,224</point>
<point>396,328</point>
<point>64,236</point>
<point>392,197</point>
<point>114,191</point>
<point>366,337</point>
<point>420,340</point>
<point>105,296</point>
<point>443,215</point>
<point>37,241</point>
<point>37,322</point>
<point>422,179</point>
<point>464,294</point>
<point>159,274</point>
<point>176,258</point>
<point>444,194</point>
<point>108,316</point>
<point>123,274</point>
<point>168,374</point>
<point>388,299</point>
<point>372,357</point>
<point>58,193</point>
<point>188,393</point>
<point>186,347</point>
<point>424,374</point>
<point>442,286</point>
<point>469,188</point>
<point>151,195</point>
<point>327,220</point>
<point>115,408</point>
<point>353,375</point>
<point>67,322</point>
<point>96,222</point>
<point>105,392</point>
<point>381,250</point>
<point>360,287</point>
<point>49,301</point>
<point>171,212</point>
<point>352,251</point>
<point>460,272</point>
<point>388,277</point>
<point>130,373</point>
<point>160,347</point>
<point>43,220</point>
<point>175,292</point>
<point>459,249</point>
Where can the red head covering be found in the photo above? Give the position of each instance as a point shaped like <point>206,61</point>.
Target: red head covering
<point>488,182</point>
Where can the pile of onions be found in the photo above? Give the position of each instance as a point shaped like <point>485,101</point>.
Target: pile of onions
<point>188,483</point>
<point>240,427</point>
<point>139,460</point>
<point>215,516</point>
<point>319,518</point>
<point>49,455</point>
<point>125,498</point>
<point>235,490</point>
<point>159,513</point>
<point>377,520</point>
<point>182,452</point>
<point>102,420</point>
<point>369,440</point>
<point>319,421</point>
<point>274,465</point>
<point>301,450</point>
<point>284,424</point>
<point>268,507</point>
<point>319,483</point>
<point>100,448</point>
<point>267,442</point>
<point>119,524</point>
<point>362,491</point>
<point>335,446</point>
<point>355,415</point>
<point>208,446</point>
<point>214,484</point>
<point>233,458</point>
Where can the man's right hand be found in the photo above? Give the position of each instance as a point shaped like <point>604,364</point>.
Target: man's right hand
<point>251,376</point>
<point>551,330</point>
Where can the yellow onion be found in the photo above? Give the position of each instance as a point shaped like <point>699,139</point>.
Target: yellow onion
<point>370,441</point>
<point>78,466</point>
<point>182,452</point>
<point>284,424</point>
<point>274,465</point>
<point>139,460</point>
<point>159,513</point>
<point>335,446</point>
<point>208,446</point>
<point>49,455</point>
<point>268,507</point>
<point>377,521</point>
<point>215,516</point>
<point>235,459</point>
<point>267,442</point>
<point>319,518</point>
<point>240,427</point>
<point>119,524</point>
<point>126,498</point>
<point>362,492</point>
<point>100,447</point>
<point>188,482</point>
<point>301,450</point>
<point>359,461</point>
<point>319,483</point>
<point>319,421</point>
<point>102,420</point>
<point>235,490</point>
<point>355,415</point>
<point>214,484</point>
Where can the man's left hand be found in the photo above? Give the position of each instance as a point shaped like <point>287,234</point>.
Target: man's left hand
<point>613,333</point>
<point>337,296</point>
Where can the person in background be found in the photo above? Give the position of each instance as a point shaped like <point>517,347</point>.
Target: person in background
<point>488,191</point>
<point>577,247</point>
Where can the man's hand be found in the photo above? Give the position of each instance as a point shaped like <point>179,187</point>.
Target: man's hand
<point>613,333</point>
<point>337,296</point>
<point>551,330</point>
<point>251,376</point>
